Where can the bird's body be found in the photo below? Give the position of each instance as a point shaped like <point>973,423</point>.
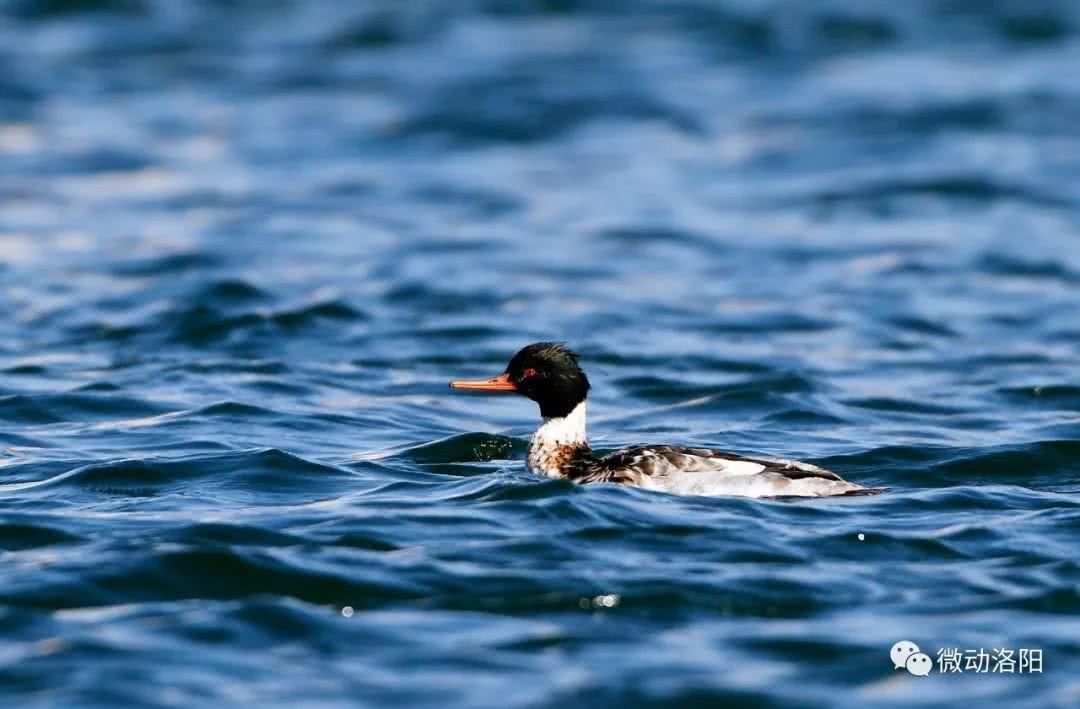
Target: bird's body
<point>549,374</point>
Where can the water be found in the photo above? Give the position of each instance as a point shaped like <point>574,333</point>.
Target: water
<point>244,246</point>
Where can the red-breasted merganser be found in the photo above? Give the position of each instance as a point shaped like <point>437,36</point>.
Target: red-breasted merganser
<point>549,374</point>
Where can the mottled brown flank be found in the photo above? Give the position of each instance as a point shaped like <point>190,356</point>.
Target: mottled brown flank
<point>691,459</point>
<point>633,465</point>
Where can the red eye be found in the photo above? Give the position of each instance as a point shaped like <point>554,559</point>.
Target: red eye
<point>528,373</point>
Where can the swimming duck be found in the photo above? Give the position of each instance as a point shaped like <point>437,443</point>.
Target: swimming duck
<point>550,374</point>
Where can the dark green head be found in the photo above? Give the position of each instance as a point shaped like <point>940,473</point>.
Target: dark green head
<point>546,372</point>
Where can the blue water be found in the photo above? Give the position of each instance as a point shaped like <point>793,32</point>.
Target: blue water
<point>244,246</point>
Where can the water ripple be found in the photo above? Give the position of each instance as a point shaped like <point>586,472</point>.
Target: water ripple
<point>244,246</point>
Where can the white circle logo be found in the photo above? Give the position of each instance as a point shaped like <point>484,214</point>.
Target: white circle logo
<point>900,653</point>
<point>920,664</point>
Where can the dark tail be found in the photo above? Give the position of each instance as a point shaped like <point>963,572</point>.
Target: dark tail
<point>866,491</point>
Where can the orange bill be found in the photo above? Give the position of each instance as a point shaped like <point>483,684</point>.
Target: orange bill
<point>499,383</point>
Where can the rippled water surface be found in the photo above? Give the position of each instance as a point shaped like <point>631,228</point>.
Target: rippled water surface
<point>243,247</point>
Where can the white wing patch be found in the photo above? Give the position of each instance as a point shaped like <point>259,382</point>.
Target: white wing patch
<point>728,467</point>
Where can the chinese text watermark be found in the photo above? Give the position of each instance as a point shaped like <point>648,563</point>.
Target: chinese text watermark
<point>954,660</point>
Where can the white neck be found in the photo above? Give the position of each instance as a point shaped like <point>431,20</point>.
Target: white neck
<point>554,437</point>
<point>569,429</point>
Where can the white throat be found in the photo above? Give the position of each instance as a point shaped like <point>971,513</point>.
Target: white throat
<point>555,437</point>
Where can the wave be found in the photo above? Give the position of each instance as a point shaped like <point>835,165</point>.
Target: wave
<point>259,472</point>
<point>1046,464</point>
<point>217,319</point>
<point>15,536</point>
<point>90,403</point>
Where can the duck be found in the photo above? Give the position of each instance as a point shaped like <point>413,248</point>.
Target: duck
<point>551,375</point>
